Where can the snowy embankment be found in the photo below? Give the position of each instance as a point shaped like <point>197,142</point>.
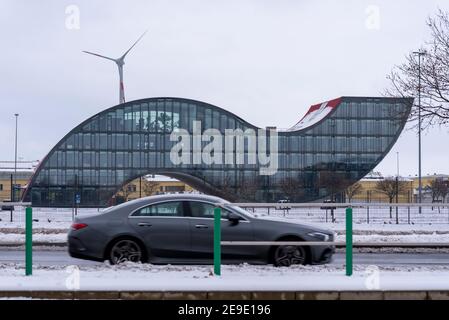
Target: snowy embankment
<point>146,277</point>
<point>19,238</point>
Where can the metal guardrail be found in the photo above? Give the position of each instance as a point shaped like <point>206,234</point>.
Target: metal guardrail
<point>348,244</point>
<point>270,243</point>
<point>18,204</point>
<point>339,205</point>
<point>338,244</point>
<point>218,243</point>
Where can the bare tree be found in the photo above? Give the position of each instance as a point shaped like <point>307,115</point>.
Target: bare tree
<point>445,190</point>
<point>149,187</point>
<point>244,190</point>
<point>404,78</point>
<point>292,188</point>
<point>439,189</point>
<point>227,189</point>
<point>391,187</point>
<point>353,190</point>
<point>248,188</point>
<point>335,183</point>
<point>125,191</point>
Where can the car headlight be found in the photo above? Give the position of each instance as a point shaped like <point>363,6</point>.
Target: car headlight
<point>319,235</point>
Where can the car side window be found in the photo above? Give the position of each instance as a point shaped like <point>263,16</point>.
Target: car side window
<point>166,209</point>
<point>205,210</point>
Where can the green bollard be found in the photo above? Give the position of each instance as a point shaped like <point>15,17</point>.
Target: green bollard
<point>348,241</point>
<point>28,241</point>
<point>217,241</point>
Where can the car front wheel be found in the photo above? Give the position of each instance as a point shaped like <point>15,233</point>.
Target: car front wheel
<point>285,256</point>
<point>125,250</point>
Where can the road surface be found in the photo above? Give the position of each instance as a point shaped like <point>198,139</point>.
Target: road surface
<point>60,257</point>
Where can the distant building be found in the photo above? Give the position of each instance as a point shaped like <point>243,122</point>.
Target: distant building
<point>7,180</point>
<point>150,185</point>
<point>426,187</point>
<point>369,192</point>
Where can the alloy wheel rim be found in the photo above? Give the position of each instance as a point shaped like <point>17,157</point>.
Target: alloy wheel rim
<point>289,255</point>
<point>124,251</point>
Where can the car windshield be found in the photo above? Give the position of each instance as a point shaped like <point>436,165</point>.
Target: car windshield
<point>240,210</point>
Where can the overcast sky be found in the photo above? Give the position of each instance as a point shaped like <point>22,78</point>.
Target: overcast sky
<point>266,61</point>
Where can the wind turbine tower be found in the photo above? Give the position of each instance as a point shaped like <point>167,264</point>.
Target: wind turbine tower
<point>120,62</point>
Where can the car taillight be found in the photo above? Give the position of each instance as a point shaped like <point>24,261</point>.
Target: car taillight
<point>78,226</point>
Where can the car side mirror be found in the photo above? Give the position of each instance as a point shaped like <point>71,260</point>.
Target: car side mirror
<point>233,218</point>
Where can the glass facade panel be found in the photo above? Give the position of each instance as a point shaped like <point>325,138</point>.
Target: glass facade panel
<point>133,139</point>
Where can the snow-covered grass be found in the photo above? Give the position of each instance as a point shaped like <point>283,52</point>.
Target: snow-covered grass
<point>15,238</point>
<point>234,278</point>
<point>44,218</point>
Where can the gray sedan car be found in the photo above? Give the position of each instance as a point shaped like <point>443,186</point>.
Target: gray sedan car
<point>179,229</point>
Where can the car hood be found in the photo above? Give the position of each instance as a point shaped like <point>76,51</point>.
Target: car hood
<point>294,222</point>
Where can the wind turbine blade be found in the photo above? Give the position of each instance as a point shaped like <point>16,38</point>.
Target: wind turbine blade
<point>99,55</point>
<point>122,57</point>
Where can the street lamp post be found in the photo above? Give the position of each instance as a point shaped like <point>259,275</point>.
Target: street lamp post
<point>419,54</point>
<point>140,187</point>
<point>397,186</point>
<point>13,187</point>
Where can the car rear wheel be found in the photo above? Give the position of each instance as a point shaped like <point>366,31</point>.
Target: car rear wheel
<point>125,250</point>
<point>285,256</point>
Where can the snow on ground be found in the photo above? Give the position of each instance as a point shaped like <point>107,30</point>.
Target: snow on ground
<point>8,238</point>
<point>363,228</point>
<point>44,218</point>
<point>242,277</point>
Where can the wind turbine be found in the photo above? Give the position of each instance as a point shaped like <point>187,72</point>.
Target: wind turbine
<point>120,62</point>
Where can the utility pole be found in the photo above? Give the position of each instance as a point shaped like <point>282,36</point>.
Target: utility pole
<point>140,187</point>
<point>13,187</point>
<point>419,54</point>
<point>397,186</point>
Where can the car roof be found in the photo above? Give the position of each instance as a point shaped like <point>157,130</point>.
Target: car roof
<point>171,197</point>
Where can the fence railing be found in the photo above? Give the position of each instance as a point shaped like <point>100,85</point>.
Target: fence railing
<point>363,213</point>
<point>370,213</point>
<point>285,208</point>
<point>348,219</point>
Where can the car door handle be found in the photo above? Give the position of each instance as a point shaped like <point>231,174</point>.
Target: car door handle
<point>144,224</point>
<point>201,226</point>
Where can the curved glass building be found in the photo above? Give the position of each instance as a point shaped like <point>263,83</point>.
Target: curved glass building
<point>335,144</point>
